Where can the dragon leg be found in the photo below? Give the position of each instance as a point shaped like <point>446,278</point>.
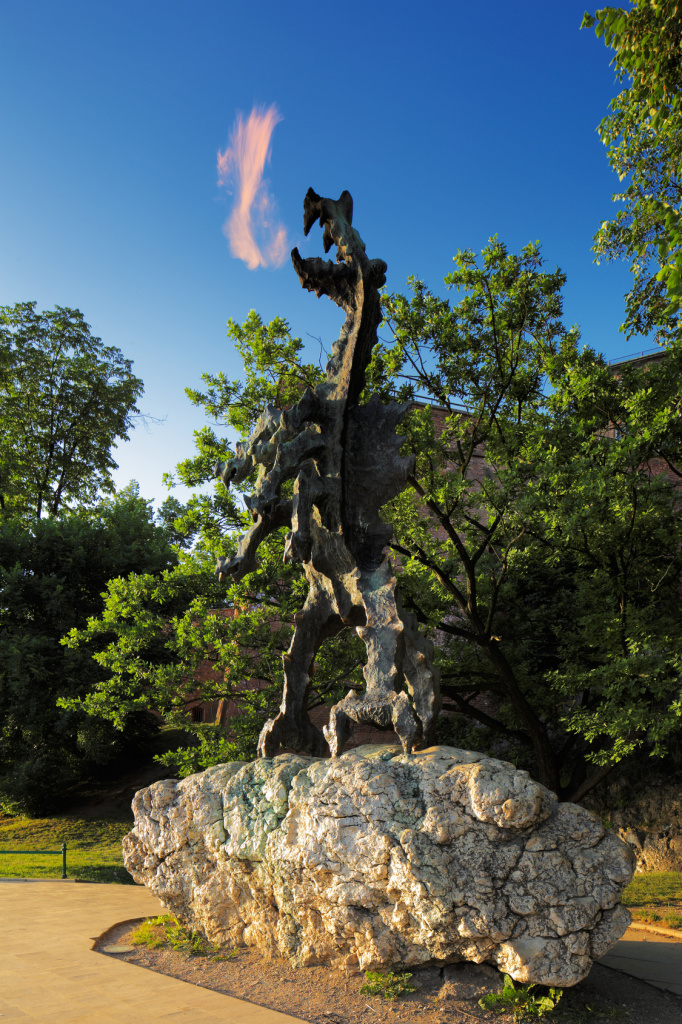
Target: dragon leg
<point>421,676</point>
<point>396,655</point>
<point>316,622</point>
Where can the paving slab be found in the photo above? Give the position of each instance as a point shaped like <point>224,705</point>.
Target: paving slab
<point>653,958</point>
<point>49,973</point>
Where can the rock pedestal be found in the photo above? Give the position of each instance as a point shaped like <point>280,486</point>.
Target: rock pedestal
<point>377,859</point>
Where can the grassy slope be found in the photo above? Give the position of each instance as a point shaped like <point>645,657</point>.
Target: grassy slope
<point>93,847</point>
<point>656,898</point>
<point>659,888</point>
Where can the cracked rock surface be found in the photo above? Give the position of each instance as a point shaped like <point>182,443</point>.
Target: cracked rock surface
<point>377,859</point>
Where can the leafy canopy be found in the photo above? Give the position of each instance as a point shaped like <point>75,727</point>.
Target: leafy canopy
<point>643,137</point>
<point>166,641</point>
<point>51,580</point>
<point>65,399</point>
<point>538,545</point>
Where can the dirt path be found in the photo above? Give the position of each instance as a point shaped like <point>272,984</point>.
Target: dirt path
<point>448,995</point>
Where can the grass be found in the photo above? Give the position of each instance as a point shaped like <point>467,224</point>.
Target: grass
<point>152,932</point>
<point>665,919</point>
<point>656,898</point>
<point>93,851</point>
<point>93,843</point>
<point>659,888</point>
<point>166,931</point>
<point>389,985</point>
<point>522,1000</point>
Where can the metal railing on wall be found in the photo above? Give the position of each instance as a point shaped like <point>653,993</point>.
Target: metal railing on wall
<point>637,355</point>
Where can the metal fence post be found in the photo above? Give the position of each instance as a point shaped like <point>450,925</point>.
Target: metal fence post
<point>63,860</point>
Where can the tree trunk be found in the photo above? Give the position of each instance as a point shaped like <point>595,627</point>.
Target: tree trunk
<point>547,768</point>
<point>221,713</point>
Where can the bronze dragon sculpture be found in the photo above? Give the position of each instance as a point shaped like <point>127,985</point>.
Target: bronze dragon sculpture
<point>344,459</point>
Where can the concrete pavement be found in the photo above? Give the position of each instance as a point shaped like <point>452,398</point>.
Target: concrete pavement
<point>49,973</point>
<point>656,959</point>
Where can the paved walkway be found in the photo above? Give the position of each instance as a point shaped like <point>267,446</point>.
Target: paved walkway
<point>653,958</point>
<point>50,974</point>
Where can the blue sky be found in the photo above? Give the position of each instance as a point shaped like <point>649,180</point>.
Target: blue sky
<point>447,121</point>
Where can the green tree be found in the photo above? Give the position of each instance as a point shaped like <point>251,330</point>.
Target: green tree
<point>164,641</point>
<point>603,503</point>
<point>52,575</point>
<point>155,635</point>
<point>643,137</point>
<point>535,541</point>
<point>65,399</point>
<point>549,571</point>
<point>274,374</point>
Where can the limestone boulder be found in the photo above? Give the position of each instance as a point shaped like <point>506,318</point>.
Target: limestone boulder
<point>377,859</point>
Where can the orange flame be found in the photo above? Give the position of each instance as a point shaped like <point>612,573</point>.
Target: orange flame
<point>254,214</point>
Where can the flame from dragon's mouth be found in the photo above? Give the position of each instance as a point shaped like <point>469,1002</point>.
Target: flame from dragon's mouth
<point>253,229</point>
